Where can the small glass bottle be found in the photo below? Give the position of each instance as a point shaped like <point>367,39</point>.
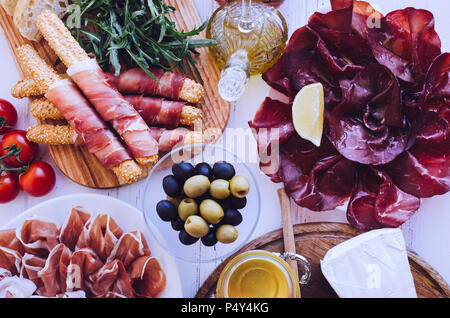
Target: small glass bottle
<point>251,37</point>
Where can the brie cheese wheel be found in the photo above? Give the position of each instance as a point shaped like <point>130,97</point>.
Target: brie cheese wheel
<point>371,265</point>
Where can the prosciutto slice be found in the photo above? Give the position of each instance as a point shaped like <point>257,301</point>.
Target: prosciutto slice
<point>37,236</point>
<point>72,227</point>
<point>148,277</point>
<point>84,120</point>
<point>15,287</point>
<point>31,266</point>
<point>157,111</point>
<point>114,108</point>
<point>54,274</point>
<point>112,278</point>
<point>168,139</point>
<point>101,234</point>
<point>10,260</point>
<point>129,247</point>
<point>136,81</point>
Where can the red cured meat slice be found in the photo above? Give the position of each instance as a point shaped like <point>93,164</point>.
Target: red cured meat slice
<point>129,247</point>
<point>101,234</point>
<point>72,227</point>
<point>157,111</point>
<point>112,278</point>
<point>136,81</point>
<point>31,266</point>
<point>114,108</point>
<point>9,240</point>
<point>377,202</point>
<point>82,118</point>
<point>54,274</point>
<point>37,236</point>
<point>148,277</point>
<point>10,260</point>
<point>169,139</point>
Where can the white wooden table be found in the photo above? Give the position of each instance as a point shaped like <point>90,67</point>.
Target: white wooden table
<point>427,233</point>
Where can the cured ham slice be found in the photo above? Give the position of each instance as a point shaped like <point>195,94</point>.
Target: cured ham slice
<point>9,240</point>
<point>83,264</point>
<point>129,247</point>
<point>148,277</point>
<point>157,111</point>
<point>54,274</point>
<point>112,278</point>
<point>84,120</point>
<point>169,139</point>
<point>31,266</point>
<point>72,227</point>
<point>10,260</point>
<point>136,81</point>
<point>101,234</point>
<point>38,237</point>
<point>114,108</point>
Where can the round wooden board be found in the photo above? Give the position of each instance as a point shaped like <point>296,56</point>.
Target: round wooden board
<point>313,240</point>
<point>81,166</point>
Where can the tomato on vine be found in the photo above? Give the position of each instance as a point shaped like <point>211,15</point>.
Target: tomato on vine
<point>16,150</point>
<point>9,187</point>
<point>38,180</point>
<point>8,116</point>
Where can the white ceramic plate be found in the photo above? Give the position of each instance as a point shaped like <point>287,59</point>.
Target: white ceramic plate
<point>126,216</point>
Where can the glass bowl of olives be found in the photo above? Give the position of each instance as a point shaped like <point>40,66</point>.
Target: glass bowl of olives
<point>204,200</point>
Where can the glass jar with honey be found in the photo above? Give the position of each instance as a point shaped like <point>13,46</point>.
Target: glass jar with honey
<point>260,274</point>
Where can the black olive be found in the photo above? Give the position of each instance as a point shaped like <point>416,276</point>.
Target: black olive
<point>166,211</point>
<point>210,239</point>
<point>178,224</point>
<point>203,169</point>
<point>172,187</point>
<point>183,171</point>
<point>237,203</point>
<point>186,239</point>
<point>223,170</point>
<point>225,204</point>
<point>232,217</point>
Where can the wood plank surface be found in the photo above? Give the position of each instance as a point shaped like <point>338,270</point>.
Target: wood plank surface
<point>84,168</point>
<point>313,240</point>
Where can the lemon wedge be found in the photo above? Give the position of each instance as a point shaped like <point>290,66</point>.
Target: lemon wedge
<point>307,113</point>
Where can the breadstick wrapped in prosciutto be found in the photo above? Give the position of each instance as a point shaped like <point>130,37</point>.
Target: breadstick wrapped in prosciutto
<point>171,85</point>
<point>160,111</point>
<point>93,82</point>
<point>66,135</point>
<point>82,118</point>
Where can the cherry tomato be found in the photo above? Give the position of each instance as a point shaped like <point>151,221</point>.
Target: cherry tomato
<point>17,142</point>
<point>9,187</point>
<point>8,116</point>
<point>38,180</point>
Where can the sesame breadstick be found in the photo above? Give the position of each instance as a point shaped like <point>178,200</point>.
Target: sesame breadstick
<point>26,88</point>
<point>52,135</point>
<point>41,108</point>
<point>66,97</point>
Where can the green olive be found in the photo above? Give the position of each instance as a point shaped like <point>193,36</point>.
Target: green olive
<point>227,234</point>
<point>187,208</point>
<point>220,189</point>
<point>239,186</point>
<point>211,211</point>
<point>174,201</point>
<point>196,226</point>
<point>196,186</point>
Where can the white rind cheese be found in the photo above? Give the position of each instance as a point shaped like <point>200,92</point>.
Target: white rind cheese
<point>371,265</point>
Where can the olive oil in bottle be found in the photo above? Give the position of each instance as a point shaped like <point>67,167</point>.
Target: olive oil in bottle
<point>251,37</point>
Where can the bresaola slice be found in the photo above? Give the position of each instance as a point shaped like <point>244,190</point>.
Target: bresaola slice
<point>377,202</point>
<point>387,114</point>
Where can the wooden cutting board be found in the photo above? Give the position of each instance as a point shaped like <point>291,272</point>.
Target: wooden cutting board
<point>313,240</point>
<point>81,166</point>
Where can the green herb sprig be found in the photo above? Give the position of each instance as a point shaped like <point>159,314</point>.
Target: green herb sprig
<point>136,33</point>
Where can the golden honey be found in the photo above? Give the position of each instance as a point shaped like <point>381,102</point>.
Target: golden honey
<point>257,274</point>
